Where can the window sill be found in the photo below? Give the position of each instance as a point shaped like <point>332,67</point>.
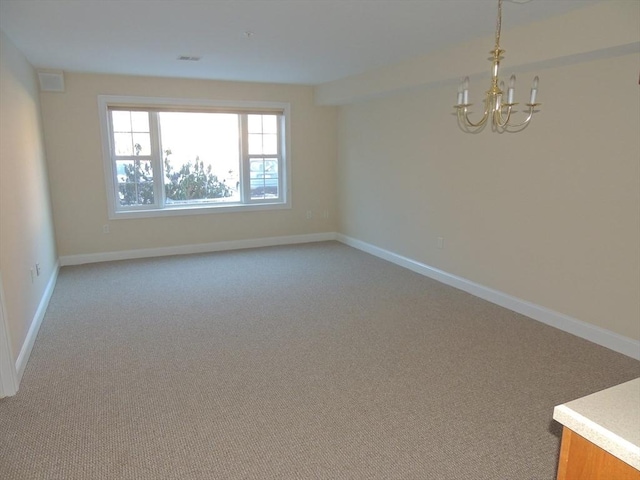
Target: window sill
<point>196,210</point>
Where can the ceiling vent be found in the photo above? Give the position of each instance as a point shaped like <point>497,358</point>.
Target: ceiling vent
<point>51,80</point>
<point>189,58</point>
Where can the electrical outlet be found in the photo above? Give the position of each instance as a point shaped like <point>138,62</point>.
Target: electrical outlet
<point>105,228</point>
<point>309,214</point>
<point>440,242</point>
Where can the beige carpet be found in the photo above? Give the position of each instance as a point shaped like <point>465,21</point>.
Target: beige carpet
<point>306,362</point>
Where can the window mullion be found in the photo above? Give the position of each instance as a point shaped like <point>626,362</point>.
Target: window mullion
<point>156,160</point>
<point>244,158</point>
<point>113,168</point>
<point>282,169</point>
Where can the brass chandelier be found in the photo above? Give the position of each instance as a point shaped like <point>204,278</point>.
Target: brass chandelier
<point>495,106</point>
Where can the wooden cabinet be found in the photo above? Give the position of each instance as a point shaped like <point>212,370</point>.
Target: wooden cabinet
<point>582,460</point>
<point>601,435</point>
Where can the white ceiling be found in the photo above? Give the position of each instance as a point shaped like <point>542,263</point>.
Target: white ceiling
<point>291,41</point>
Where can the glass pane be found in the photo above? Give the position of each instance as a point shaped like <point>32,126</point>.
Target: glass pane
<point>269,124</point>
<point>255,144</point>
<point>123,144</point>
<point>137,185</point>
<point>144,171</point>
<point>125,171</point>
<point>254,123</point>
<point>121,121</point>
<point>263,178</point>
<point>140,121</point>
<point>201,157</point>
<point>264,165</point>
<point>270,144</point>
<point>142,143</point>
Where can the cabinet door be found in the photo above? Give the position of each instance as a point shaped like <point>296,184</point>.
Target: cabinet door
<point>582,460</point>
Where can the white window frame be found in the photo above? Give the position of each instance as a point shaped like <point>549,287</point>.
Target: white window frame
<point>160,209</point>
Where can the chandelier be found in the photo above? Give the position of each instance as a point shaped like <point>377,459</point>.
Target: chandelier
<point>495,106</point>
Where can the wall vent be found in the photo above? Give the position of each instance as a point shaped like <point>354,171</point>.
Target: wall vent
<point>189,58</point>
<point>51,80</point>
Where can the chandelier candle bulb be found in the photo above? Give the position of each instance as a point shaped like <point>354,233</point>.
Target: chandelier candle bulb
<point>512,86</point>
<point>465,92</point>
<point>460,98</point>
<point>534,90</point>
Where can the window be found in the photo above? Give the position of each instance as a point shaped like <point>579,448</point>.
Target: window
<point>170,157</point>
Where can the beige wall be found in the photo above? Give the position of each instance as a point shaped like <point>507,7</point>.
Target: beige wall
<point>26,228</point>
<point>607,28</point>
<point>550,215</point>
<point>71,126</point>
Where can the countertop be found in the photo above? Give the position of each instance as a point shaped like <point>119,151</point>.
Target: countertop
<point>609,419</point>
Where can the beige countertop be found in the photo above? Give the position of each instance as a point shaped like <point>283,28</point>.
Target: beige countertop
<point>610,419</point>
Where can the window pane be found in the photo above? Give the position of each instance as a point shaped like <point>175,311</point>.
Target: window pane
<point>255,144</point>
<point>270,144</point>
<point>121,121</point>
<point>201,157</point>
<point>254,123</point>
<point>123,144</point>
<point>142,143</point>
<point>263,178</point>
<point>269,124</point>
<point>135,183</point>
<point>140,121</point>
<point>125,171</point>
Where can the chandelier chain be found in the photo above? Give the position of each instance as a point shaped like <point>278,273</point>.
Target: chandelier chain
<point>499,24</point>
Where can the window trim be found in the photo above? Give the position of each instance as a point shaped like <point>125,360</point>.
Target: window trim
<point>195,105</point>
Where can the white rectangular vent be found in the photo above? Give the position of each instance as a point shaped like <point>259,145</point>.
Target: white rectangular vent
<point>51,80</point>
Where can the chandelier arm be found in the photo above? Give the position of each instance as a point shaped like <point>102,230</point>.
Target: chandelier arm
<point>522,124</point>
<point>466,128</point>
<point>498,118</point>
<point>482,121</point>
<point>463,116</point>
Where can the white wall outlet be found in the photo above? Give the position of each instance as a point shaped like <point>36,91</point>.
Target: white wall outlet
<point>440,242</point>
<point>105,228</point>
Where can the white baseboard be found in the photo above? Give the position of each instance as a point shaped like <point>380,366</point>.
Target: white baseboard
<point>27,346</point>
<point>600,336</point>
<point>197,248</point>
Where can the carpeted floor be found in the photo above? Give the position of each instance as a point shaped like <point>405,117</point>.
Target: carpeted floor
<point>302,362</point>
